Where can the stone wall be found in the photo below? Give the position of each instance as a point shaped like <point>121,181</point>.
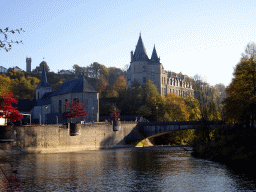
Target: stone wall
<point>54,139</point>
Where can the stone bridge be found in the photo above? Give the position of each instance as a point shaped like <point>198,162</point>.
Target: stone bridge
<point>100,135</point>
<point>151,129</point>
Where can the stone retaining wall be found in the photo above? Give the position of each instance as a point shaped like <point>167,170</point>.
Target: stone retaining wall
<point>54,138</point>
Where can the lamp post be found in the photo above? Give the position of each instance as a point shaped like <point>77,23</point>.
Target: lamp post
<point>46,107</point>
<point>157,112</point>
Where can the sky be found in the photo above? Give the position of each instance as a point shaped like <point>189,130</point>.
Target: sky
<point>190,36</point>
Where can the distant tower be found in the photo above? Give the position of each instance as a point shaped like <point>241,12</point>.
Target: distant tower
<point>28,66</point>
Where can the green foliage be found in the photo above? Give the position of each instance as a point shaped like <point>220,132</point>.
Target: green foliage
<point>240,106</point>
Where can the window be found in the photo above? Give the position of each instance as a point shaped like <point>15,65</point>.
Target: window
<point>144,68</point>
<point>66,107</point>
<point>144,79</point>
<point>60,106</point>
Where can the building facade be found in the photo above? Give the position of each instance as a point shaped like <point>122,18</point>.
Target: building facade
<point>142,68</point>
<point>50,106</point>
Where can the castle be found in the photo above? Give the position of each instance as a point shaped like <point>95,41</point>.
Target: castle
<point>142,69</point>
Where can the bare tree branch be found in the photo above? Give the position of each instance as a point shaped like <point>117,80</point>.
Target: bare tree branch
<point>5,43</point>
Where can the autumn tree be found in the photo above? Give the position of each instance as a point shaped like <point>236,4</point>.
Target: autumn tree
<point>193,109</point>
<point>240,104</point>
<point>95,70</point>
<point>102,85</point>
<point>5,42</point>
<point>7,110</point>
<point>176,108</point>
<point>75,109</point>
<point>153,104</point>
<point>119,84</point>
<point>5,84</point>
<point>23,87</point>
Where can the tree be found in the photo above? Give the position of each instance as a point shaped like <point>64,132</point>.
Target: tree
<point>192,105</point>
<point>6,108</point>
<point>102,84</point>
<point>75,110</point>
<point>240,105</point>
<point>22,87</point>
<point>78,70</point>
<point>39,68</point>
<point>176,108</point>
<point>153,104</point>
<point>114,73</point>
<point>206,96</point>
<point>6,44</point>
<point>5,84</point>
<point>119,84</point>
<point>115,112</point>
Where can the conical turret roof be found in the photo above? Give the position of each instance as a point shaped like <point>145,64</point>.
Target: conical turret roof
<point>43,82</point>
<point>154,56</point>
<point>140,53</point>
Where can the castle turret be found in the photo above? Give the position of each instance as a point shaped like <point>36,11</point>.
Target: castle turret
<point>140,53</point>
<point>131,56</point>
<point>154,57</point>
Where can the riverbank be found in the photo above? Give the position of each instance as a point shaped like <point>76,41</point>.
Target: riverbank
<point>233,146</point>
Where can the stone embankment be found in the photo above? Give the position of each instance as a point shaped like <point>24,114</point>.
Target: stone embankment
<point>57,139</point>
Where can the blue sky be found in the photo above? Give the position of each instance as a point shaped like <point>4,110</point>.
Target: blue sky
<point>191,36</point>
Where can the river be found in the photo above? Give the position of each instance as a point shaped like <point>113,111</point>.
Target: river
<point>132,169</point>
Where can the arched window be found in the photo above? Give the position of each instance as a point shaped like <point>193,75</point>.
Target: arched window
<point>60,106</point>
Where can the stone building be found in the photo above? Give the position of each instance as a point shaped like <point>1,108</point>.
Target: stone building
<point>28,64</point>
<point>50,106</point>
<point>142,68</point>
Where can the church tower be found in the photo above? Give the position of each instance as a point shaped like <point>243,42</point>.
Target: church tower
<point>43,87</point>
<point>28,64</point>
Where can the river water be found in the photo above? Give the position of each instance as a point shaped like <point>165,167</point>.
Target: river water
<point>133,169</point>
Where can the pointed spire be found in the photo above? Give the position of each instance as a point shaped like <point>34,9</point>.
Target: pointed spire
<point>140,53</point>
<point>43,76</point>
<point>154,57</point>
<point>43,82</point>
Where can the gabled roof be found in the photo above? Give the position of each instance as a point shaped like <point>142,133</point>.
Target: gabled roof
<point>77,85</point>
<point>140,53</point>
<point>45,100</point>
<point>24,105</point>
<point>43,82</point>
<point>154,57</point>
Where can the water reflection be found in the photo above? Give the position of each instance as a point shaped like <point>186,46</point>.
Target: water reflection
<point>135,169</point>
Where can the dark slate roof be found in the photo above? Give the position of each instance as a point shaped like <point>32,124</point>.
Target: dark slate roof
<point>43,82</point>
<point>24,105</point>
<point>140,53</point>
<point>77,85</point>
<point>45,100</point>
<point>154,57</point>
